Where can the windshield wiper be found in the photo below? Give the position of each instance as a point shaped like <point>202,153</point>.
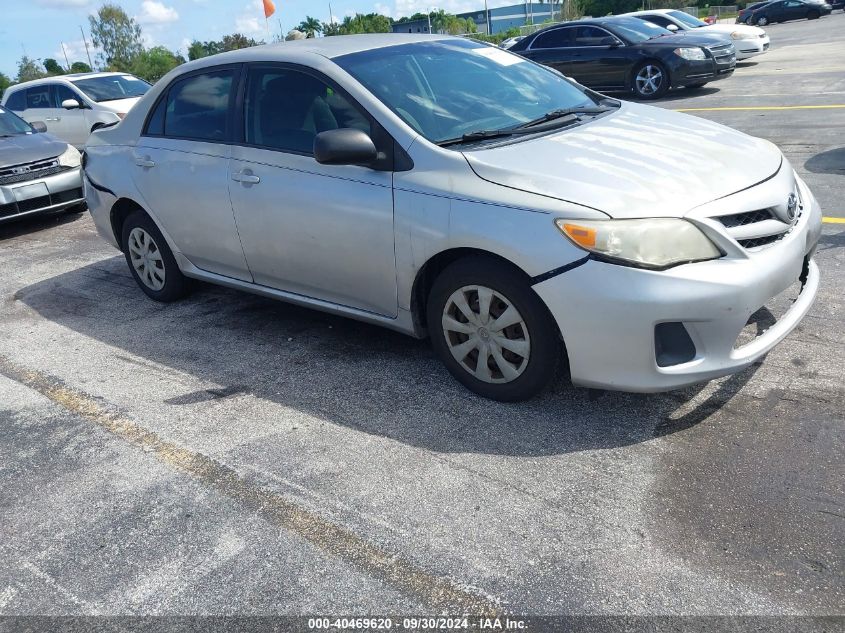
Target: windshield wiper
<point>562,113</point>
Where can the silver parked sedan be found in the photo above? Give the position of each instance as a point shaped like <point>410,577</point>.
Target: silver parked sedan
<point>442,187</point>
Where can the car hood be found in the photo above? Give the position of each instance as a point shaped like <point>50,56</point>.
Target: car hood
<point>642,161</point>
<point>727,29</point>
<point>28,148</point>
<point>687,38</point>
<point>121,106</point>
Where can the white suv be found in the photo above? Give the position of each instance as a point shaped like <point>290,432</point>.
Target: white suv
<point>73,106</point>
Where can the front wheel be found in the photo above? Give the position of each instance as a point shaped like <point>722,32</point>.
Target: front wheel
<point>651,80</point>
<point>492,331</point>
<point>151,261</point>
<point>814,15</point>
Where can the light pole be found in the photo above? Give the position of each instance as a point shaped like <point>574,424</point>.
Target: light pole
<point>487,19</point>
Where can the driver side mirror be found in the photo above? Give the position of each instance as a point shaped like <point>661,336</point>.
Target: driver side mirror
<point>71,104</point>
<point>39,126</point>
<point>345,146</point>
<point>672,27</point>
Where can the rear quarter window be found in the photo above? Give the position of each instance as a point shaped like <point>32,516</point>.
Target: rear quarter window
<point>16,101</point>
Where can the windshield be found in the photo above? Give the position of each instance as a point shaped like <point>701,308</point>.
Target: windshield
<point>687,19</point>
<point>449,88</point>
<point>636,30</point>
<point>112,88</point>
<point>12,125</point>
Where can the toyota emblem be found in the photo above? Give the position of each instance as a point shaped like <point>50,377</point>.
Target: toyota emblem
<point>791,206</point>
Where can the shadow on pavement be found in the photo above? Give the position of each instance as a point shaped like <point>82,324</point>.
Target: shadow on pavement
<point>348,373</point>
<point>829,162</point>
<point>16,228</point>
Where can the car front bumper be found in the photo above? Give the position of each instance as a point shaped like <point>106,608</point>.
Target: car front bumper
<point>41,195</point>
<point>607,314</point>
<point>694,72</point>
<point>746,49</point>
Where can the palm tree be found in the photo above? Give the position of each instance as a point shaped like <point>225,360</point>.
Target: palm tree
<point>310,26</point>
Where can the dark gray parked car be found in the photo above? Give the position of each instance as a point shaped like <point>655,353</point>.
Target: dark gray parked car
<point>38,172</point>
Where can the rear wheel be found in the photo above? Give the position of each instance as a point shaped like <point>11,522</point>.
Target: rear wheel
<point>492,331</point>
<point>151,261</point>
<point>762,21</point>
<point>651,80</point>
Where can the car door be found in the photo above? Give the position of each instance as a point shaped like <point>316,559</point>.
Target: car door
<point>599,57</point>
<point>322,231</point>
<point>794,10</point>
<point>40,106</point>
<point>72,124</point>
<point>181,168</point>
<point>553,48</point>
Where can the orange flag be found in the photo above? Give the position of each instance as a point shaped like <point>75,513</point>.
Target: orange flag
<point>269,8</point>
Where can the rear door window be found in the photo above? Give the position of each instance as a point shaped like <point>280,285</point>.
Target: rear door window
<point>39,98</point>
<point>198,107</point>
<point>556,38</point>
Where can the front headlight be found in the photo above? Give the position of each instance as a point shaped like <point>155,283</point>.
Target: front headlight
<point>738,35</point>
<point>690,53</point>
<point>71,157</point>
<point>655,243</point>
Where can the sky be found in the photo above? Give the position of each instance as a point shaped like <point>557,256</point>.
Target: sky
<point>39,27</point>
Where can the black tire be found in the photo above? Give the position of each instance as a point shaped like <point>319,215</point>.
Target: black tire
<point>762,21</point>
<point>545,348</point>
<point>665,82</point>
<point>813,15</point>
<point>697,86</point>
<point>175,284</point>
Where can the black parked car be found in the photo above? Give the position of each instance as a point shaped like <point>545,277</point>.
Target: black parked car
<point>618,53</point>
<point>746,12</point>
<point>783,10</point>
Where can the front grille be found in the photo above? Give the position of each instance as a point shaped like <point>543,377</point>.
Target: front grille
<point>32,171</point>
<point>757,242</point>
<point>745,218</point>
<point>33,204</point>
<point>724,54</point>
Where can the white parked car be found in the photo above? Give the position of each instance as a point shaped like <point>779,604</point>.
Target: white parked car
<point>73,106</point>
<point>511,41</point>
<point>749,41</point>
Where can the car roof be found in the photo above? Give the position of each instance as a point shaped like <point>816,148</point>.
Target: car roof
<point>329,47</point>
<point>647,12</point>
<point>61,78</point>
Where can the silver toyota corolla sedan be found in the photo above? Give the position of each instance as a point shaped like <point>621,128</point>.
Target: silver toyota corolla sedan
<point>445,188</point>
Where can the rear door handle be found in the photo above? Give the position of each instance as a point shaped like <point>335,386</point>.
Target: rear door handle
<point>145,162</point>
<point>247,179</point>
<point>53,119</point>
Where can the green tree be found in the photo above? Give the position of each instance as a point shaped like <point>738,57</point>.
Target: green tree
<point>333,28</point>
<point>198,50</point>
<point>310,26</point>
<point>5,82</point>
<point>365,23</point>
<point>117,35</point>
<point>236,41</point>
<point>29,69</point>
<point>155,63</point>
<point>52,67</point>
<point>80,67</point>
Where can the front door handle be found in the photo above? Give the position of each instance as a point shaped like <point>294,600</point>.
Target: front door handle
<point>144,162</point>
<point>53,119</point>
<point>247,179</point>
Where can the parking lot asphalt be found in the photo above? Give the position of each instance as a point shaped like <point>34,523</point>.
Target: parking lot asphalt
<point>232,455</point>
